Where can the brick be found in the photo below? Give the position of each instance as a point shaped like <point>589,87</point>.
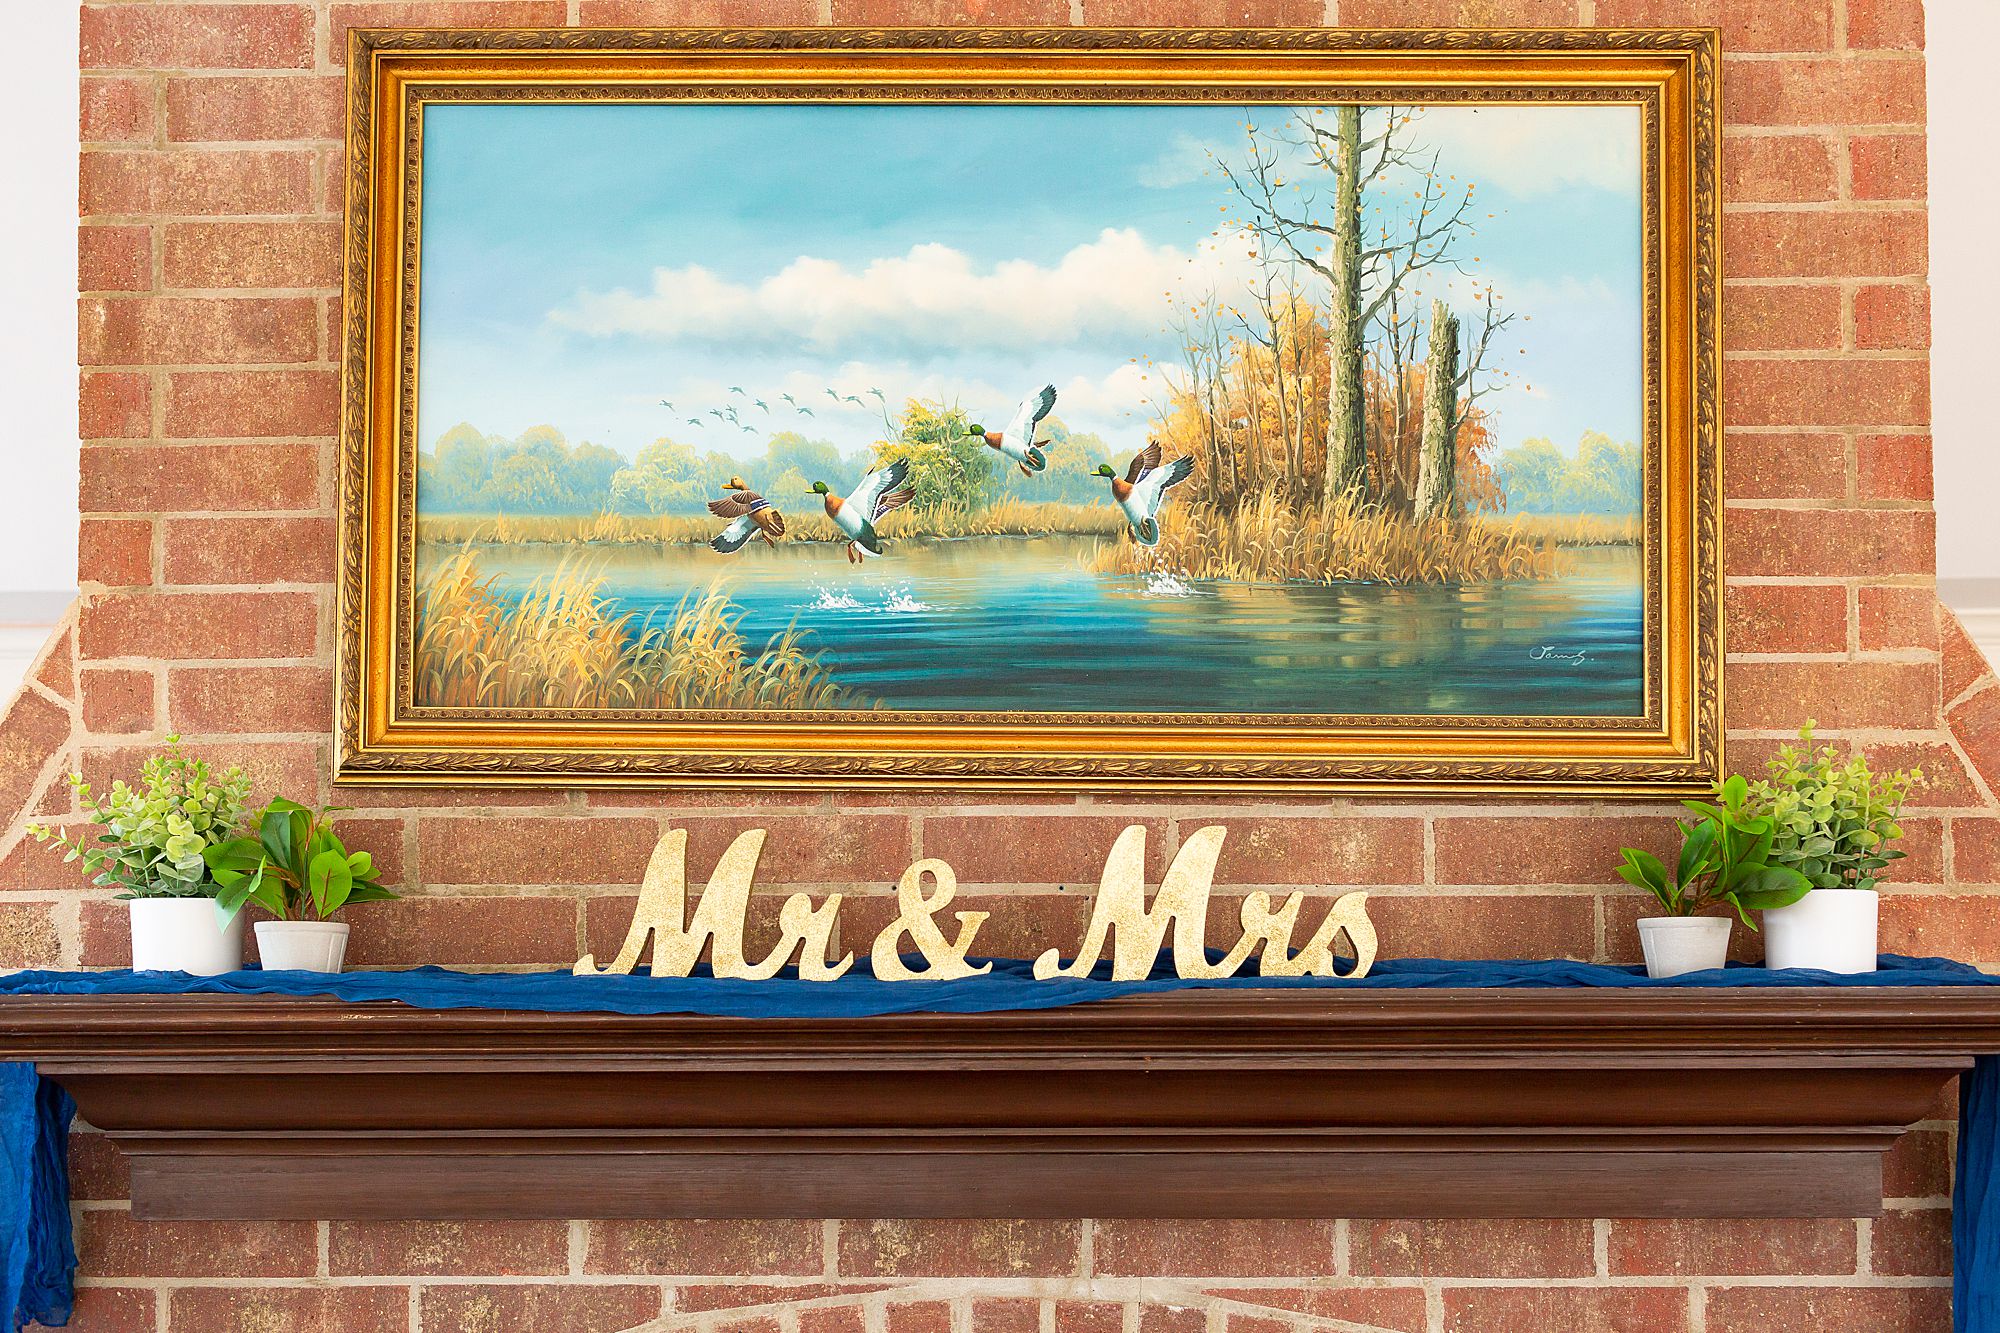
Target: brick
<point>1472,1247</point>
<point>1975,725</point>
<point>1788,318</point>
<point>249,700</point>
<point>1200,14</point>
<point>275,768</point>
<point>848,847</point>
<point>696,13</point>
<point>1824,92</point>
<point>97,1169</point>
<point>210,182</point>
<point>28,935</point>
<point>1892,318</point>
<point>1911,1242</point>
<point>1964,665</point>
<point>1457,926</point>
<point>1777,169</point>
<point>448,1249</point>
<point>1678,1247</point>
<point>1775,392</point>
<point>258,551</point>
<point>243,110</point>
<point>1892,467</point>
<point>107,933</point>
<point>145,331</point>
<point>961,1248</point>
<point>117,700</point>
<point>1886,24</point>
<point>1830,543</point>
<point>116,552</point>
<point>1877,1309</point>
<point>1897,618</point>
<point>1399,1308</point>
<point>1822,244</point>
<point>505,931</point>
<point>1940,925</point>
<point>114,1243</point>
<point>188,479</point>
<point>937,13</point>
<point>1270,1247</point>
<point>241,403</point>
<point>114,405</point>
<point>1975,848</point>
<point>1786,618</point>
<point>196,36</point>
<point>1918,1166</point>
<point>57,670</point>
<point>1293,850</point>
<point>1004,849</point>
<point>31,730</point>
<point>289,254</point>
<point>113,1309</point>
<point>114,259</point>
<point>114,110</point>
<point>853,1319</point>
<point>1778,696</point>
<point>1747,25</point>
<point>380,838</point>
<point>1572,1309</point>
<point>1541,849</point>
<point>1442,14</point>
<point>542,851</point>
<point>1018,925</point>
<point>292,1309</point>
<point>1014,1316</point>
<point>200,625</point>
<point>729,1294</point>
<point>505,1308</point>
<point>1784,467</point>
<point>676,1245</point>
<point>441,14</point>
<point>1888,166</point>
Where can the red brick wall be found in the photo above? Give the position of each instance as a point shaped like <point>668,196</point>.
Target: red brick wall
<point>209,259</point>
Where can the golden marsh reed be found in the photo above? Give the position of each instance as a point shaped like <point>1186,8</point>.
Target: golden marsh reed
<point>558,647</point>
<point>805,522</point>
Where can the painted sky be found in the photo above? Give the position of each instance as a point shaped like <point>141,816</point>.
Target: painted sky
<point>581,263</point>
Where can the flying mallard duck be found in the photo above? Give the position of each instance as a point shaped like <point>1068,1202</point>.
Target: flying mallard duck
<point>805,412</point>
<point>1143,489</point>
<point>751,515</point>
<point>761,403</point>
<point>831,394</point>
<point>716,413</point>
<point>1018,440</point>
<point>879,396</point>
<point>694,421</point>
<point>875,495</point>
<point>788,398</point>
<point>736,388</point>
<point>664,403</point>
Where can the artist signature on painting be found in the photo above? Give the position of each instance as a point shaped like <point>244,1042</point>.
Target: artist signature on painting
<point>1548,652</point>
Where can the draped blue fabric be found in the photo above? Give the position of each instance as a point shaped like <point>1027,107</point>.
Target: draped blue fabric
<point>39,1261</point>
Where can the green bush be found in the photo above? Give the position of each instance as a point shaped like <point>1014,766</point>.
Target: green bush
<point>1725,858</point>
<point>296,866</point>
<point>1832,821</point>
<point>152,838</point>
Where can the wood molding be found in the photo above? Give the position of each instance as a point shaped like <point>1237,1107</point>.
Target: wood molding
<point>1217,1103</point>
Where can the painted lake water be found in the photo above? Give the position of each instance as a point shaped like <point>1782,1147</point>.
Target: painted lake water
<point>1006,624</point>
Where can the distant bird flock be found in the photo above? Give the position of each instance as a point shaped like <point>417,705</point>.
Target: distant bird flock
<point>1139,494</point>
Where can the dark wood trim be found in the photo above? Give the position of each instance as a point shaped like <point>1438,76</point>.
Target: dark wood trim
<point>1774,1102</point>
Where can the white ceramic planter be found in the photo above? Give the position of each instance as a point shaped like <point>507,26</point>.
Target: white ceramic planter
<point>184,935</point>
<point>1677,944</point>
<point>302,946</point>
<point>1830,929</point>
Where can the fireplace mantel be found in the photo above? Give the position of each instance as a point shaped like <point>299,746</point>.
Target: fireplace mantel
<point>1237,1103</point>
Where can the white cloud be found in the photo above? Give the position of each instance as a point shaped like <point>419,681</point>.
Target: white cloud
<point>1183,162</point>
<point>1531,150</point>
<point>1118,286</point>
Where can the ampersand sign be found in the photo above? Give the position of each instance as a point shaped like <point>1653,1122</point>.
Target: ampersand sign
<point>914,912</point>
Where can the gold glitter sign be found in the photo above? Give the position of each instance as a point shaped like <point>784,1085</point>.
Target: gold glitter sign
<point>1122,920</point>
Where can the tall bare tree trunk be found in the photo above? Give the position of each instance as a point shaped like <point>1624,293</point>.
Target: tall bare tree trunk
<point>1346,437</point>
<point>1437,480</point>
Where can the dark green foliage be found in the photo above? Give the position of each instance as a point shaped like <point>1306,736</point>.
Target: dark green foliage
<point>295,865</point>
<point>1725,858</point>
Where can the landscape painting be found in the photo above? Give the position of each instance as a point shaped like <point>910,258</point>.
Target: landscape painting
<point>1266,410</point>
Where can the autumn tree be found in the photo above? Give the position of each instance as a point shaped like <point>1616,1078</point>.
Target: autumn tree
<point>1437,473</point>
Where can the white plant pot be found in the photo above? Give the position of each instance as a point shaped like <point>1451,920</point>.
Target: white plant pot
<point>302,946</point>
<point>1833,930</point>
<point>1677,944</point>
<point>184,935</point>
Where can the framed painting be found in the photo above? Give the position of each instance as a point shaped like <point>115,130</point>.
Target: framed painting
<point>1091,409</point>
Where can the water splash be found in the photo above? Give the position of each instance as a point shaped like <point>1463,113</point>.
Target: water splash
<point>1166,583</point>
<point>825,599</point>
<point>901,601</point>
<point>897,601</point>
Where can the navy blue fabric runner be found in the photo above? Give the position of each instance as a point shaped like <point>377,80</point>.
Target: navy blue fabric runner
<point>37,1262</point>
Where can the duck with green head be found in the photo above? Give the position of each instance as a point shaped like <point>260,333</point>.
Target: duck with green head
<point>875,495</point>
<point>751,515</point>
<point>1143,489</point>
<point>1018,440</point>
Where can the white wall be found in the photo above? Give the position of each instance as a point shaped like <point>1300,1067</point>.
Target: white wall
<point>1965,299</point>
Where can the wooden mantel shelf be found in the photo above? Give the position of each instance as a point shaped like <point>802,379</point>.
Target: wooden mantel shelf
<point>1237,1103</point>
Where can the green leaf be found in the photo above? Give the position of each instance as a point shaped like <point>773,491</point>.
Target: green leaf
<point>1695,853</point>
<point>1773,886</point>
<point>330,882</point>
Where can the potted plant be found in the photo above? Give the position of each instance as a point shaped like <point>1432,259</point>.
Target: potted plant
<point>151,844</point>
<point>1724,860</point>
<point>297,869</point>
<point>1832,822</point>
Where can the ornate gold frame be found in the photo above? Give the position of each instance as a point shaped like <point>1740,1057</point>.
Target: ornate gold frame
<point>1674,748</point>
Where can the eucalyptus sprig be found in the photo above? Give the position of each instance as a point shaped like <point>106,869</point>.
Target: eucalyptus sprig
<point>1725,858</point>
<point>296,866</point>
<point>152,836</point>
<point>1832,821</point>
